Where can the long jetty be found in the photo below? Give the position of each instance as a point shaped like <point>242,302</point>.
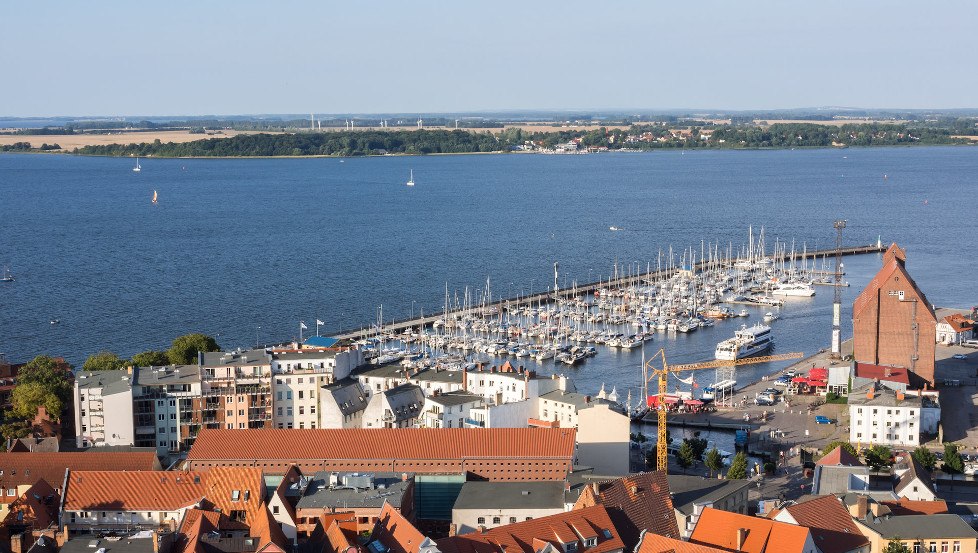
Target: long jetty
<point>548,296</point>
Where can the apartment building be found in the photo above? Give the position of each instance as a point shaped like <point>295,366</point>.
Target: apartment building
<point>96,394</point>
<point>163,406</point>
<point>879,415</point>
<point>236,390</point>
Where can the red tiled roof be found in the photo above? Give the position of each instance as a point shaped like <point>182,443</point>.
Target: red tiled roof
<point>653,543</point>
<point>381,443</point>
<point>396,533</point>
<point>26,468</point>
<point>882,372</point>
<point>38,507</point>
<point>132,491</point>
<point>531,535</point>
<point>197,522</point>
<point>840,456</point>
<point>719,529</point>
<point>222,482</point>
<point>830,523</point>
<point>908,507</point>
<point>636,503</point>
<point>959,323</point>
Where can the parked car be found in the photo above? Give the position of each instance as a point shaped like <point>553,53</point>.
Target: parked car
<point>959,356</point>
<point>763,401</point>
<point>773,391</point>
<point>822,419</point>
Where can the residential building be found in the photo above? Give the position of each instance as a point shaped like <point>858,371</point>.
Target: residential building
<point>691,494</point>
<point>397,407</point>
<point>96,394</point>
<point>515,454</point>
<point>829,521</point>
<point>362,495</point>
<point>737,532</point>
<point>893,322</point>
<point>954,327</point>
<point>342,403</point>
<point>104,501</point>
<point>603,438</point>
<point>894,378</point>
<point>300,374</point>
<point>486,505</point>
<point>282,494</point>
<point>448,410</point>
<point>637,503</point>
<point>913,482</point>
<point>28,516</point>
<point>920,533</point>
<point>880,415</point>
<point>588,530</point>
<point>654,543</point>
<point>393,533</point>
<point>840,472</point>
<point>236,390</point>
<point>163,406</point>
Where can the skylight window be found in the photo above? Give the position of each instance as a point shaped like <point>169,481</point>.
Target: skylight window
<point>235,495</point>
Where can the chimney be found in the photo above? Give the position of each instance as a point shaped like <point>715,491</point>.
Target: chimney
<point>887,372</point>
<point>16,543</point>
<point>465,379</point>
<point>404,477</point>
<point>452,530</point>
<point>871,393</point>
<point>62,536</point>
<point>900,396</point>
<point>875,509</point>
<point>482,529</point>
<point>741,538</point>
<point>861,507</point>
<point>129,369</point>
<point>596,488</point>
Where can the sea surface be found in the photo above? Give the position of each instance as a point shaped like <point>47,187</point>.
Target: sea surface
<point>245,249</point>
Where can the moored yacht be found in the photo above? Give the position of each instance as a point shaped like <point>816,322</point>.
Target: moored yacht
<point>802,289</point>
<point>746,342</point>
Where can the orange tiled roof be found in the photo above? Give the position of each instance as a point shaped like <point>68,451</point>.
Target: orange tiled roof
<point>840,456</point>
<point>27,468</point>
<point>719,529</point>
<point>959,323</point>
<point>223,482</point>
<point>381,443</point>
<point>396,533</point>
<point>636,503</point>
<point>38,507</point>
<point>830,523</point>
<point>531,535</point>
<point>106,490</point>
<point>197,522</point>
<point>908,507</point>
<point>653,543</point>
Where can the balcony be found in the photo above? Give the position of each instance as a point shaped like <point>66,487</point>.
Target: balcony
<point>475,423</point>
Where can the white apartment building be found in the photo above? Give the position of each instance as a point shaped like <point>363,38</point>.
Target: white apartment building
<point>103,408</point>
<point>163,407</point>
<point>398,407</point>
<point>448,410</point>
<point>342,404</point>
<point>879,415</point>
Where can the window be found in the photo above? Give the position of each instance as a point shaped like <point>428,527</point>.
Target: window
<point>173,416</point>
<point>859,434</point>
<point>590,542</point>
<point>11,492</point>
<point>288,395</point>
<point>241,425</point>
<point>571,547</point>
<point>288,411</point>
<point>944,547</point>
<point>932,547</point>
<point>280,411</point>
<point>235,495</point>
<point>173,429</point>
<point>496,520</point>
<point>482,520</point>
<point>162,430</point>
<point>512,520</point>
<point>162,416</point>
<point>240,412</point>
<point>957,547</point>
<point>278,395</point>
<point>159,403</point>
<point>274,509</point>
<point>312,409</point>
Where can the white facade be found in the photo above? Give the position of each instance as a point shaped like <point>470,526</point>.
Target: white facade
<point>80,520</point>
<point>103,408</point>
<point>296,398</point>
<point>448,410</point>
<point>603,440</point>
<point>891,418</point>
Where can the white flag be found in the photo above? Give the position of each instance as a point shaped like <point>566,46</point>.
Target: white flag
<point>303,326</point>
<point>318,322</point>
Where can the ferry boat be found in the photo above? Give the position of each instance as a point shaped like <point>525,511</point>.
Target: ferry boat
<point>802,289</point>
<point>724,387</point>
<point>746,342</point>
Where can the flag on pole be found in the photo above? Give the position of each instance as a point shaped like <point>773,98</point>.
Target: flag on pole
<point>318,322</point>
<point>303,326</point>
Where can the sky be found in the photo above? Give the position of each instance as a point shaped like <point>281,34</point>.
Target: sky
<point>242,57</point>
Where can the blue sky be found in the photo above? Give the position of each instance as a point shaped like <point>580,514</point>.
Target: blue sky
<point>222,57</point>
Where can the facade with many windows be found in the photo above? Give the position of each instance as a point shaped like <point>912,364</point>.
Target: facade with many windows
<point>879,415</point>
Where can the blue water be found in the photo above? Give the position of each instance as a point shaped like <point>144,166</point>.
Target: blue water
<point>234,245</point>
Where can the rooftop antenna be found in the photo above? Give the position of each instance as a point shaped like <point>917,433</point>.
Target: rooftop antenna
<point>837,302</point>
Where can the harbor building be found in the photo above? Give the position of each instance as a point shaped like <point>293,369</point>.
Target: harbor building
<point>299,376</point>
<point>881,415</point>
<point>97,393</point>
<point>955,326</point>
<point>893,323</point>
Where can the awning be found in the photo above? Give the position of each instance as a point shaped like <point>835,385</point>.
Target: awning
<point>819,373</point>
<point>816,382</point>
<point>800,379</point>
<point>693,402</point>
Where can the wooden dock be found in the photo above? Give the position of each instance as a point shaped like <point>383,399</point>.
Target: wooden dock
<point>581,289</point>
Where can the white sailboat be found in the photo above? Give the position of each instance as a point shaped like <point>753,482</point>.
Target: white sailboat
<point>137,168</point>
<point>155,197</point>
<point>7,277</point>
<point>410,181</point>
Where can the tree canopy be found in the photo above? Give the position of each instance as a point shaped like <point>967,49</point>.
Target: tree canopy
<point>184,349</point>
<point>953,463</point>
<point>879,456</point>
<point>738,467</point>
<point>714,461</point>
<point>686,455</point>
<point>26,398</point>
<point>829,448</point>
<point>895,546</point>
<point>50,373</point>
<point>151,358</point>
<point>925,457</point>
<point>104,361</point>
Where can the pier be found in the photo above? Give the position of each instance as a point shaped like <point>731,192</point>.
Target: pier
<point>583,289</point>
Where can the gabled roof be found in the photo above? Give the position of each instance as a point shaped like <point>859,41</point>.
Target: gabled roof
<point>237,489</point>
<point>959,323</point>
<point>720,529</point>
<point>38,507</point>
<point>533,535</point>
<point>106,490</point>
<point>396,533</point>
<point>905,507</point>
<point>653,543</point>
<point>893,263</point>
<point>840,457</point>
<point>830,523</point>
<point>914,472</point>
<point>381,443</point>
<point>17,469</point>
<point>636,503</point>
<point>916,527</point>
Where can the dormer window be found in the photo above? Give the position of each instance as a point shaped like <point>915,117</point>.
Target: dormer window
<point>247,495</point>
<point>590,542</point>
<point>606,533</point>
<point>571,547</point>
<point>235,495</point>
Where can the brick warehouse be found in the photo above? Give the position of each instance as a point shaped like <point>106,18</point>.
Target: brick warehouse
<point>893,323</point>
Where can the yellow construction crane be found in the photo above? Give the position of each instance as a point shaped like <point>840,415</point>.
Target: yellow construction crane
<point>651,372</point>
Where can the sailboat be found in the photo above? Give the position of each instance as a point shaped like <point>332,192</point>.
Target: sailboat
<point>137,168</point>
<point>410,181</point>
<point>155,197</point>
<point>7,277</point>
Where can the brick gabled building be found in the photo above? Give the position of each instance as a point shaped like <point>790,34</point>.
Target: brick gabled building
<point>893,323</point>
<point>637,503</point>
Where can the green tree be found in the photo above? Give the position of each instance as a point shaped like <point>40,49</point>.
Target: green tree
<point>686,455</point>
<point>895,546</point>
<point>49,373</point>
<point>738,467</point>
<point>150,358</point>
<point>104,361</point>
<point>878,457</point>
<point>925,457</point>
<point>714,461</point>
<point>184,349</point>
<point>15,429</point>
<point>699,447</point>
<point>26,398</point>
<point>844,445</point>
<point>952,459</point>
